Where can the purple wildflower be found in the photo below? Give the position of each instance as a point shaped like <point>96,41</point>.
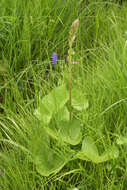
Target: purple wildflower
<point>75,62</point>
<point>54,58</point>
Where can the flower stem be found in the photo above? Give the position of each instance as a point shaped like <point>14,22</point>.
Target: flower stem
<point>70,82</point>
<point>72,36</point>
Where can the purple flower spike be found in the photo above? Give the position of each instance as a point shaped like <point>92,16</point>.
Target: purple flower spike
<point>54,58</point>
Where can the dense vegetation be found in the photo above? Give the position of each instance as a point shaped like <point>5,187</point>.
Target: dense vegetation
<point>35,152</point>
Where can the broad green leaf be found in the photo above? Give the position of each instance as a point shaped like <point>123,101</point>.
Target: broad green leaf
<point>66,131</point>
<point>89,152</point>
<point>60,97</point>
<point>52,129</point>
<point>79,101</point>
<point>37,139</point>
<point>70,131</point>
<point>43,114</point>
<point>121,140</point>
<point>52,103</point>
<point>48,162</point>
<point>62,114</point>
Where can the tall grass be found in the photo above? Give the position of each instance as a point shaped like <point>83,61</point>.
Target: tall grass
<point>30,32</point>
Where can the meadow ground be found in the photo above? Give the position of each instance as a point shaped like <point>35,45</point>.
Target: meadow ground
<point>30,31</point>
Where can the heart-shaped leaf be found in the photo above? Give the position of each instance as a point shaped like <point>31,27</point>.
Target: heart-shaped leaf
<point>70,131</point>
<point>79,101</point>
<point>52,103</point>
<point>62,114</point>
<point>89,152</point>
<point>48,161</point>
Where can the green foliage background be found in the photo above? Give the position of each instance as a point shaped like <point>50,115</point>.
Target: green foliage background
<point>29,32</point>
